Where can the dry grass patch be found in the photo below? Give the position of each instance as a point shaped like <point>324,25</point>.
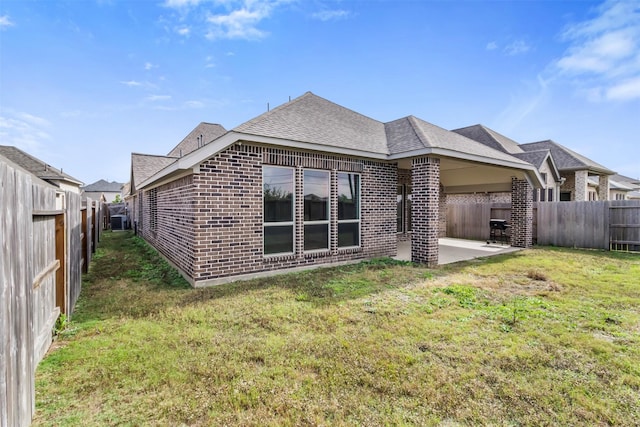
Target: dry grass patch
<point>377,343</point>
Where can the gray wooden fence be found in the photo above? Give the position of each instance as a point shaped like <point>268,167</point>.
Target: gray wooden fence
<point>40,266</point>
<point>598,225</point>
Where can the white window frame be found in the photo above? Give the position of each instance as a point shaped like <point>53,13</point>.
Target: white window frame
<point>350,221</point>
<point>323,222</point>
<point>283,223</point>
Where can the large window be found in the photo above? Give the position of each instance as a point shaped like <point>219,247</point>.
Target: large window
<point>348,210</point>
<point>316,209</point>
<point>277,191</point>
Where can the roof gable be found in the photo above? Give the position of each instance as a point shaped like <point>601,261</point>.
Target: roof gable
<point>203,134</point>
<point>312,119</point>
<point>143,166</point>
<point>566,159</point>
<point>103,186</point>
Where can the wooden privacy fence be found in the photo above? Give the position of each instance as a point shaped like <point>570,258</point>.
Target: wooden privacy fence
<point>41,271</point>
<point>611,225</point>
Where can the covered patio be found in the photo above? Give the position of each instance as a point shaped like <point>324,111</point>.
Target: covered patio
<point>455,250</point>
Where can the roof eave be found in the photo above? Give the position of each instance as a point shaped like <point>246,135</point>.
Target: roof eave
<point>192,160</point>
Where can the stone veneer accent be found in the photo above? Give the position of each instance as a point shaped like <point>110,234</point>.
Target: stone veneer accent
<point>521,213</point>
<point>478,198</point>
<point>210,223</point>
<point>425,210</point>
<point>580,193</point>
<point>603,187</point>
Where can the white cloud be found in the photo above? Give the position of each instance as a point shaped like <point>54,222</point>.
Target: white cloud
<point>155,98</point>
<point>603,57</point>
<point>331,15</point>
<point>24,130</point>
<point>131,83</point>
<point>5,22</point>
<point>181,3</point>
<point>239,24</point>
<point>626,90</point>
<point>149,66</point>
<point>193,104</point>
<point>183,31</point>
<point>492,46</point>
<point>517,47</point>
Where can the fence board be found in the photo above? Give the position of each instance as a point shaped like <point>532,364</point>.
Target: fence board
<point>41,249</point>
<point>596,225</point>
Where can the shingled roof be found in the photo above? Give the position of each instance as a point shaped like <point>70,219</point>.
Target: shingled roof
<point>312,119</point>
<point>314,123</point>
<point>411,133</point>
<point>36,166</point>
<point>143,166</point>
<point>203,134</point>
<point>490,138</point>
<point>566,159</point>
<point>103,186</point>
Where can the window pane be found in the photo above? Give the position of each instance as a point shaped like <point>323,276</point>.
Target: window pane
<point>348,196</point>
<point>277,186</point>
<point>278,239</point>
<point>349,234</point>
<point>316,236</point>
<point>316,195</point>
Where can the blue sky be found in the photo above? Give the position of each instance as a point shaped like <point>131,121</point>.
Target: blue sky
<point>85,83</point>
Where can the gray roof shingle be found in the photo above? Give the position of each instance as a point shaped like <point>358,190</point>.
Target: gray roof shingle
<point>207,131</point>
<point>566,159</point>
<point>143,166</point>
<point>536,158</point>
<point>36,166</point>
<point>412,133</point>
<point>490,138</point>
<point>103,186</point>
<point>312,119</point>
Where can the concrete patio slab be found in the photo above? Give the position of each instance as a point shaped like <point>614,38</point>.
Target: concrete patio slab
<point>454,250</point>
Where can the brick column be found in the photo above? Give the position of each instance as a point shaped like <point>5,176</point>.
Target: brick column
<point>521,213</point>
<point>425,210</point>
<point>603,187</point>
<point>581,192</point>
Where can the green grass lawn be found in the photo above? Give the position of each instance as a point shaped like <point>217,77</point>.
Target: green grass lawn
<point>541,337</point>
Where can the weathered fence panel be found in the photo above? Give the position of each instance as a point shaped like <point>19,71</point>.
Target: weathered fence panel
<point>40,275</point>
<point>17,383</point>
<point>74,241</point>
<point>596,225</point>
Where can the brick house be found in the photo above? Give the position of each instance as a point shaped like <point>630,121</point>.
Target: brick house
<point>313,183</point>
<point>576,172</point>
<point>540,157</point>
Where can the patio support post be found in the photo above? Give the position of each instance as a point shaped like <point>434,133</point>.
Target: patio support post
<point>581,192</point>
<point>521,213</point>
<point>603,187</point>
<point>425,210</point>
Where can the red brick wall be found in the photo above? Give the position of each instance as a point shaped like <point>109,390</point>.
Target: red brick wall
<point>521,213</point>
<point>174,235</point>
<point>426,210</point>
<point>210,223</point>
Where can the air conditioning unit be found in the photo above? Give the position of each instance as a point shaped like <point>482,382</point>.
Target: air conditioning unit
<point>118,222</point>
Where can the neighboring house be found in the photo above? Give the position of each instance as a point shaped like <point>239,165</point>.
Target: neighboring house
<point>42,170</point>
<point>102,190</point>
<point>203,134</point>
<point>624,188</point>
<point>541,159</point>
<point>576,170</point>
<point>313,183</point>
